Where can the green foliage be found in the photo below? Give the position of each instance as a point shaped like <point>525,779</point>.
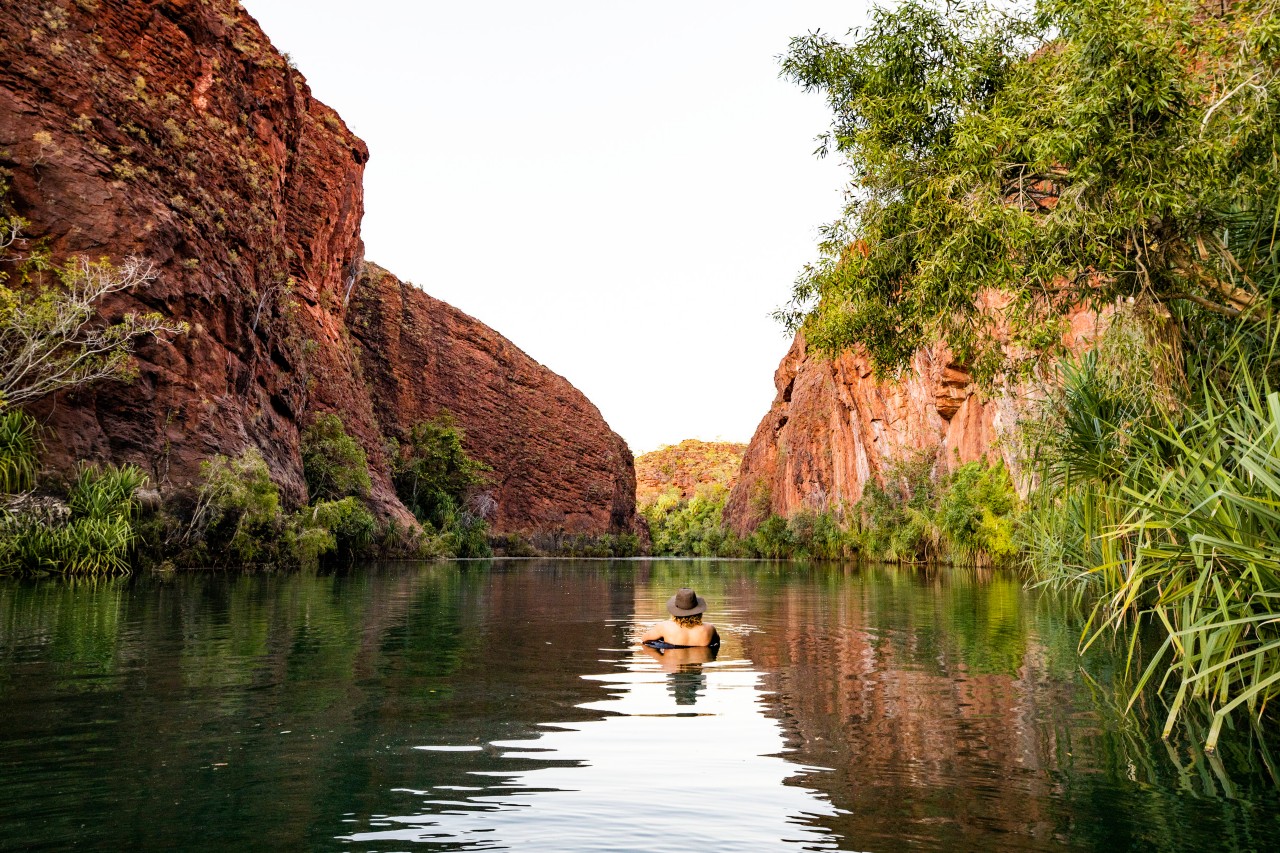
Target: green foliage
<point>600,547</point>
<point>333,463</point>
<point>1179,531</point>
<point>899,518</point>
<point>348,521</point>
<point>434,477</point>
<point>461,533</point>
<point>993,188</point>
<point>49,338</point>
<point>772,539</point>
<point>238,519</point>
<point>95,536</point>
<point>690,528</point>
<point>976,514</point>
<point>968,517</point>
<point>20,449</point>
<point>821,535</point>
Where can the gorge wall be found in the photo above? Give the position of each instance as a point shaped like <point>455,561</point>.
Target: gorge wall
<point>834,426</point>
<point>173,131</point>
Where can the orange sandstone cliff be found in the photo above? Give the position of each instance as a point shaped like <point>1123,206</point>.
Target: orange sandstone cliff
<point>834,426</point>
<point>172,130</point>
<point>686,467</point>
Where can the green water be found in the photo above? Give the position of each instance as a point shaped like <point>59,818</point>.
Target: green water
<point>476,706</point>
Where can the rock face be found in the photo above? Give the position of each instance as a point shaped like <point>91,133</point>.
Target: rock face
<point>556,465</point>
<point>172,130</point>
<point>687,467</point>
<point>833,426</point>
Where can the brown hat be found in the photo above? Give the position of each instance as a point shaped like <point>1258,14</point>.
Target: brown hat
<point>686,602</point>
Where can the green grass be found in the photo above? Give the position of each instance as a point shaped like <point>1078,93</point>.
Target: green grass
<point>1170,518</point>
<point>20,449</point>
<point>98,536</point>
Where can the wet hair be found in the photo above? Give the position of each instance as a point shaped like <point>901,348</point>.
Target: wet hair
<point>688,621</point>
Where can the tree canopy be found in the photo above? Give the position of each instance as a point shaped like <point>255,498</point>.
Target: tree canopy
<point>1010,166</point>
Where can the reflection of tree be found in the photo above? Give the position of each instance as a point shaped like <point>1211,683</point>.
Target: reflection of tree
<point>75,623</point>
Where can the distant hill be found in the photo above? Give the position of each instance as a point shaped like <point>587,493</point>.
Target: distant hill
<point>686,466</point>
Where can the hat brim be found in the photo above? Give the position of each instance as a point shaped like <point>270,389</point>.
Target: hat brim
<point>699,606</point>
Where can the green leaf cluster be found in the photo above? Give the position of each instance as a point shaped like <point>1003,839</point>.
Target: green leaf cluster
<point>691,528</point>
<point>20,448</point>
<point>96,536</point>
<point>333,463</point>
<point>1010,166</point>
<point>434,477</point>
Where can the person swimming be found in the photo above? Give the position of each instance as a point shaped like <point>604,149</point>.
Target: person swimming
<point>685,628</point>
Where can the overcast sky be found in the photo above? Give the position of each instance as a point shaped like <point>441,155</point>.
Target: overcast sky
<point>623,189</point>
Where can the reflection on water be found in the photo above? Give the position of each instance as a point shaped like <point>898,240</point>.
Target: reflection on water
<point>681,754</point>
<point>686,680</point>
<point>463,707</point>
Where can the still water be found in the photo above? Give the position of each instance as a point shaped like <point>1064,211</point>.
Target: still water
<point>503,706</point>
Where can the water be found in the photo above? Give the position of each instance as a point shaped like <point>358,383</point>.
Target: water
<point>465,707</point>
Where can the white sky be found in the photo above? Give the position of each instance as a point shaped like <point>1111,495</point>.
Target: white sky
<point>623,189</point>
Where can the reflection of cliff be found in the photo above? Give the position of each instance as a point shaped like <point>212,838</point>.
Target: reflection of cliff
<point>909,713</point>
<point>271,706</point>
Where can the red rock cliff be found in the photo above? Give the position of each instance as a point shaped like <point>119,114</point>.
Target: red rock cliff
<point>833,426</point>
<point>174,131</point>
<point>556,465</point>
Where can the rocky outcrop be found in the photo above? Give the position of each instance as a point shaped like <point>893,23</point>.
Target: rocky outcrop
<point>686,468</point>
<point>556,465</point>
<point>834,426</point>
<point>172,130</point>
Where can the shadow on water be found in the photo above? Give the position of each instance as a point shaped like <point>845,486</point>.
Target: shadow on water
<point>466,706</point>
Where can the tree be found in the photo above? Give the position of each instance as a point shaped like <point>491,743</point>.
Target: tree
<point>333,464</point>
<point>432,472</point>
<point>1008,168</point>
<point>50,337</point>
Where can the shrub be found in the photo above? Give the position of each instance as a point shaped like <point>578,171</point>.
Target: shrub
<point>975,514</point>
<point>238,519</point>
<point>20,449</point>
<point>434,476</point>
<point>688,528</point>
<point>49,338</point>
<point>898,518</point>
<point>432,472</point>
<point>333,463</point>
<point>772,539</point>
<point>351,525</point>
<point>821,535</point>
<point>96,536</point>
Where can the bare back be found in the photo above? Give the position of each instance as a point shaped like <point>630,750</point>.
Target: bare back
<point>675,634</point>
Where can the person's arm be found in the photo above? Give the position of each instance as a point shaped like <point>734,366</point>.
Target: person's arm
<point>654,632</point>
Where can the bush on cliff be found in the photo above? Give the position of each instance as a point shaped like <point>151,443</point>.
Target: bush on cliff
<point>688,528</point>
<point>51,336</point>
<point>1000,180</point>
<point>238,521</point>
<point>333,463</point>
<point>976,514</point>
<point>434,477</point>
